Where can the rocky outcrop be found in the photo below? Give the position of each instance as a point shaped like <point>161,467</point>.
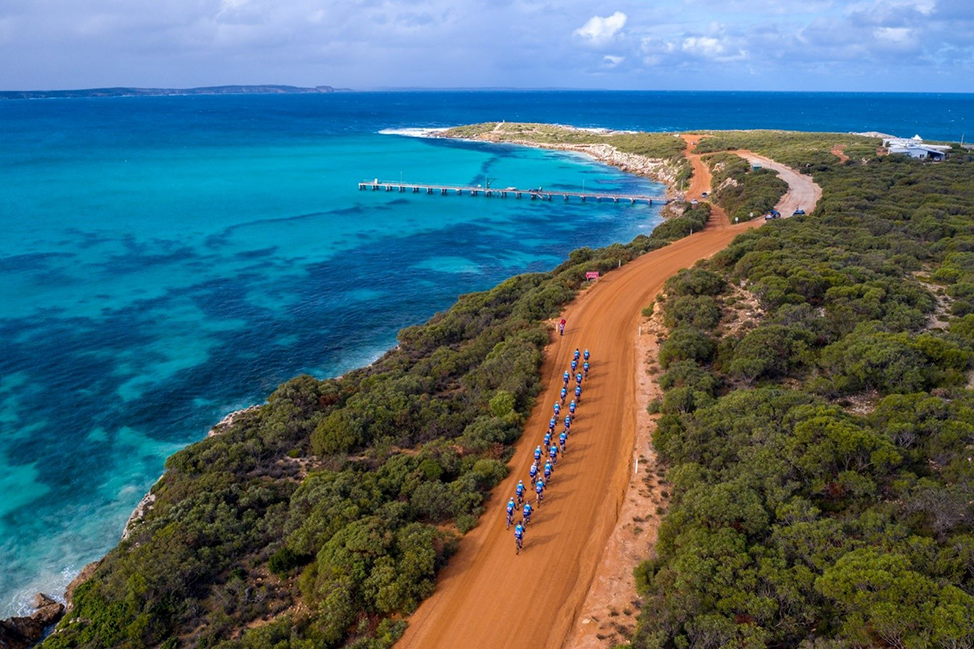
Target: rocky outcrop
<point>225,423</point>
<point>23,632</point>
<point>139,513</point>
<point>82,577</point>
<point>655,168</point>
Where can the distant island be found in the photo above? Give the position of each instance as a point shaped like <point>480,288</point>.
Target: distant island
<point>165,92</point>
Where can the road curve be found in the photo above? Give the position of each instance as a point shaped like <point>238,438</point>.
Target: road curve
<point>488,597</point>
<point>803,192</point>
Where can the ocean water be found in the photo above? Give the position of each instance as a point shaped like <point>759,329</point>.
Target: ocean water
<point>165,261</point>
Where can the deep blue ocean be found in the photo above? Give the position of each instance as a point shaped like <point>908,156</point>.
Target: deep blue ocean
<point>164,261</point>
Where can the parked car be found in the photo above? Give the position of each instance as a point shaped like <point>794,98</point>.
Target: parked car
<point>798,212</point>
<point>703,194</point>
<point>693,202</point>
<point>773,214</point>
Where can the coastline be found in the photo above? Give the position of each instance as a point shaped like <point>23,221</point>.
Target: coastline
<point>653,169</point>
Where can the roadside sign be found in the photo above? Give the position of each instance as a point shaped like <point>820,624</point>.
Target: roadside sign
<point>592,274</point>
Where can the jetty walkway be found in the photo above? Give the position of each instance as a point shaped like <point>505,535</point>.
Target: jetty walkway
<point>535,194</point>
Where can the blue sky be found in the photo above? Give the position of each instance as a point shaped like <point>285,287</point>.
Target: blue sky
<point>874,45</point>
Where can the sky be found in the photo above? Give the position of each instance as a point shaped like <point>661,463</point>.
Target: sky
<point>873,45</point>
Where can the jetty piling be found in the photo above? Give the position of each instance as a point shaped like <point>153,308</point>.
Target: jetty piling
<point>488,192</point>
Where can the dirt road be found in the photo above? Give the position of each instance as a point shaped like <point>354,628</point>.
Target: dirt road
<point>803,193</point>
<point>487,596</point>
<point>700,181</point>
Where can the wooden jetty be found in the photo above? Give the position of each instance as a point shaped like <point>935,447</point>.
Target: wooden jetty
<point>488,192</point>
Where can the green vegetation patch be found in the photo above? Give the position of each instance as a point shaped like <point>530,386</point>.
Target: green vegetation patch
<point>321,518</point>
<point>742,190</point>
<point>820,458</point>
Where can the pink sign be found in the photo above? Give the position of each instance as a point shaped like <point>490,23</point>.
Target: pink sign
<point>592,274</point>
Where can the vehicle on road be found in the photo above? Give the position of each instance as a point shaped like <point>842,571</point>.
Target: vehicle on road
<point>798,212</point>
<point>703,194</point>
<point>773,214</point>
<point>693,202</point>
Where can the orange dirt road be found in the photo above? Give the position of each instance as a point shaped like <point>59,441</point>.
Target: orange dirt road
<point>700,181</point>
<point>488,597</point>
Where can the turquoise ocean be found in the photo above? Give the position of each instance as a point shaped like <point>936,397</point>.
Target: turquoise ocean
<point>165,261</point>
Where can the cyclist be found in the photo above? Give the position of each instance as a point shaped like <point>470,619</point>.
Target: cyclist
<point>562,440</point>
<point>564,393</point>
<point>557,408</point>
<point>586,353</point>
<point>519,492</point>
<point>578,378</point>
<point>585,368</point>
<point>574,365</point>
<point>527,514</point>
<point>552,423</point>
<point>537,453</point>
<point>547,439</point>
<point>510,512</point>
<point>571,407</point>
<point>518,538</point>
<point>539,489</point>
<point>547,472</point>
<point>533,471</point>
<point>577,354</point>
<point>553,454</point>
<point>578,393</point>
<point>568,423</point>
<point>566,377</point>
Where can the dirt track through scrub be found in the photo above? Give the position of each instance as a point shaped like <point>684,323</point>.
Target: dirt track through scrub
<point>488,597</point>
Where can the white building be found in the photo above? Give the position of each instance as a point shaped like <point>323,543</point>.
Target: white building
<point>915,148</point>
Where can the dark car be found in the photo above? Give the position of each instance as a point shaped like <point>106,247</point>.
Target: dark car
<point>798,212</point>
<point>773,214</point>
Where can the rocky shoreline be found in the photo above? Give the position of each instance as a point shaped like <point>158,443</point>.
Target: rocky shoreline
<point>23,632</point>
<point>654,168</point>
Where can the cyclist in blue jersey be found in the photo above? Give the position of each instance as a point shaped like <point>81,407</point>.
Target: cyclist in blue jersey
<point>577,354</point>
<point>527,514</point>
<point>547,439</point>
<point>510,512</point>
<point>547,472</point>
<point>578,378</point>
<point>519,492</point>
<point>552,423</point>
<point>533,471</point>
<point>564,393</point>
<point>537,453</point>
<point>553,454</point>
<point>518,538</point>
<point>571,407</point>
<point>586,353</point>
<point>578,393</point>
<point>585,368</point>
<point>566,377</point>
<point>562,440</point>
<point>539,489</point>
<point>557,408</point>
<point>574,365</point>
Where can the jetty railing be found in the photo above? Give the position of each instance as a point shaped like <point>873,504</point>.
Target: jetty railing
<point>535,194</point>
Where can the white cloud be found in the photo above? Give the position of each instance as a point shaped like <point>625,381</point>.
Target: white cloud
<point>703,46</point>
<point>599,30</point>
<point>897,35</point>
<point>611,61</point>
